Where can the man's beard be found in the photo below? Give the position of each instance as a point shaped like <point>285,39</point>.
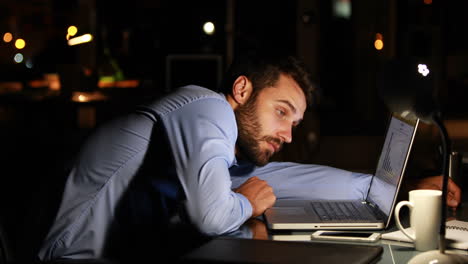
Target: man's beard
<point>248,142</point>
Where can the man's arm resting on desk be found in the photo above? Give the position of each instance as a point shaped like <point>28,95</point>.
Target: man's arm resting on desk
<point>435,183</point>
<point>259,194</point>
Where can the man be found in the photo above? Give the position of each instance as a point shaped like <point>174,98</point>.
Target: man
<point>192,163</point>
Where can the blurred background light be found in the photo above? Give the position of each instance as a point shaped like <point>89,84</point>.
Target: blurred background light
<point>378,43</point>
<point>29,64</point>
<point>80,39</point>
<point>72,30</point>
<point>82,98</point>
<point>20,43</point>
<point>209,28</point>
<point>423,69</point>
<point>18,58</point>
<point>342,8</point>
<point>7,37</point>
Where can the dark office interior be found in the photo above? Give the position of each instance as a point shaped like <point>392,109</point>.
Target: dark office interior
<point>53,94</point>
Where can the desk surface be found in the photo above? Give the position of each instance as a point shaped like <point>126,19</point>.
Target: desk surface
<point>393,252</point>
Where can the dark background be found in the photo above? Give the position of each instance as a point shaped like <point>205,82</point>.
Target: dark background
<point>40,131</point>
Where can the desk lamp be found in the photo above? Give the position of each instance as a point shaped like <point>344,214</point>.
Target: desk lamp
<point>406,86</point>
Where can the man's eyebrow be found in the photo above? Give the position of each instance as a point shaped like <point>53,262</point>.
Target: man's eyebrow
<point>293,109</point>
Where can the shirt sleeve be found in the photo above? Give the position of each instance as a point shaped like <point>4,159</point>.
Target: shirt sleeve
<point>202,136</point>
<point>291,180</point>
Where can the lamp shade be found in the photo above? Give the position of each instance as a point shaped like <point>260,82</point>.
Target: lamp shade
<point>406,85</point>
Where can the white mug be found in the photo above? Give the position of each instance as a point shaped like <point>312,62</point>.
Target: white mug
<point>425,215</point>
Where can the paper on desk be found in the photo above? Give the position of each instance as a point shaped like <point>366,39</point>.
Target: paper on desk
<point>456,235</point>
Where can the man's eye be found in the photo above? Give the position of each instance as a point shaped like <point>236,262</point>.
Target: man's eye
<point>280,112</point>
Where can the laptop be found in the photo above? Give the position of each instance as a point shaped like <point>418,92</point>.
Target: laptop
<point>375,211</point>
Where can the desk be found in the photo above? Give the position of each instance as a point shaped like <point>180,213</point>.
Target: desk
<point>394,252</point>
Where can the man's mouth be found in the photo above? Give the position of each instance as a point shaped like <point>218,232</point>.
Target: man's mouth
<point>274,146</point>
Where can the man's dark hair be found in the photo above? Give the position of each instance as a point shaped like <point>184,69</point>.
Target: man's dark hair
<point>264,70</point>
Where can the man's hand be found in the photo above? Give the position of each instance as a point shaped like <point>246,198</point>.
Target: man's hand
<point>259,194</point>
<point>435,183</point>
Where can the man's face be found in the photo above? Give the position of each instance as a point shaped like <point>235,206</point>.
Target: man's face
<point>266,120</point>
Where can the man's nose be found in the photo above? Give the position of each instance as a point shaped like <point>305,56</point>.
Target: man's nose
<point>286,134</point>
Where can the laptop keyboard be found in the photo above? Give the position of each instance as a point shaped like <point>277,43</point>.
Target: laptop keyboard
<point>336,210</point>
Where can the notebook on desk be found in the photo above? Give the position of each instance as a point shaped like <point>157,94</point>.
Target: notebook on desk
<point>374,212</point>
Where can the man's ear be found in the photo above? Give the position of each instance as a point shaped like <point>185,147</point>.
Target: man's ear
<point>241,89</point>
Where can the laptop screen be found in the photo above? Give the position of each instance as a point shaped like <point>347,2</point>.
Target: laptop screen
<point>392,162</point>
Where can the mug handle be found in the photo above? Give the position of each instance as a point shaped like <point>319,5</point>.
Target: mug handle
<point>397,218</point>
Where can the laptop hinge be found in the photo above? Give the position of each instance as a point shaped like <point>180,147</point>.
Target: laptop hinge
<point>373,205</point>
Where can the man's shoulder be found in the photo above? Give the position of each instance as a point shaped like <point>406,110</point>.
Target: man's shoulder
<point>194,92</point>
<point>197,90</point>
<point>189,95</point>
